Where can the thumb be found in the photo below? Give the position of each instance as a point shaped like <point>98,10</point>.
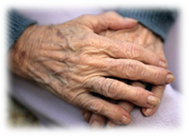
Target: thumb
<point>108,20</point>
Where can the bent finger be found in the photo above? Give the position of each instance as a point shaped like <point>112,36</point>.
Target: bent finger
<point>108,20</point>
<point>97,121</point>
<point>126,105</point>
<point>135,52</point>
<point>118,90</point>
<point>104,108</point>
<point>86,115</point>
<point>136,70</point>
<point>158,91</point>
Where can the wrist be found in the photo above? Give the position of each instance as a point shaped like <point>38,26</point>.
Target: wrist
<point>22,51</point>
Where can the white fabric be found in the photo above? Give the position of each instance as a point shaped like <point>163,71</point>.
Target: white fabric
<point>53,111</point>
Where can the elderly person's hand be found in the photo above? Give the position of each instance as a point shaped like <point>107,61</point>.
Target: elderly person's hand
<point>71,60</point>
<point>142,37</point>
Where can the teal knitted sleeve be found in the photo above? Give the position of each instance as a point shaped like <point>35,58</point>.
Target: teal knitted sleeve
<point>158,21</point>
<point>11,26</point>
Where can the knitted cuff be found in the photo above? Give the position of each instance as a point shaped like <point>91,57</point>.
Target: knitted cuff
<point>158,21</point>
<point>11,27</point>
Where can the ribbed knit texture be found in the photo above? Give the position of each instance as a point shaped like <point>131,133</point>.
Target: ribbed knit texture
<point>11,26</point>
<point>157,20</point>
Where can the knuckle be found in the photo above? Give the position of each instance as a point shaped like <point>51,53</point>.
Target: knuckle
<point>158,76</point>
<point>69,95</point>
<point>95,83</point>
<point>112,14</point>
<point>88,36</point>
<point>96,106</point>
<point>132,69</point>
<point>115,113</point>
<point>134,51</point>
<point>85,17</point>
<point>136,96</point>
<point>111,88</point>
<point>86,39</point>
<point>83,58</point>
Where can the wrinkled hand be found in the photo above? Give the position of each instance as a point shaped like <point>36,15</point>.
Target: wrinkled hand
<point>71,60</point>
<point>142,37</point>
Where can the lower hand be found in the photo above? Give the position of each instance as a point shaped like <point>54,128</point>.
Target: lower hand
<point>145,38</point>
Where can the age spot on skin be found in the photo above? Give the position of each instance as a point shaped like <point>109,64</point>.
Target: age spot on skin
<point>59,34</point>
<point>22,57</point>
<point>49,27</point>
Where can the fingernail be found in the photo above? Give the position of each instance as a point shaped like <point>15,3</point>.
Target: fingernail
<point>148,112</point>
<point>162,64</point>
<point>96,124</point>
<point>125,120</point>
<point>153,100</point>
<point>131,20</point>
<point>111,124</point>
<point>169,72</point>
<point>170,78</point>
<point>108,126</point>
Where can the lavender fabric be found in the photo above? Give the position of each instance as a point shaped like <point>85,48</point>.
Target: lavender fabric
<point>53,111</point>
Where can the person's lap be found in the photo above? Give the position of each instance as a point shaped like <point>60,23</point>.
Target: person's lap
<point>54,111</point>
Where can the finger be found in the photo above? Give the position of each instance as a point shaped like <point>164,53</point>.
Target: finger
<point>104,108</point>
<point>86,115</point>
<point>138,84</point>
<point>135,70</point>
<point>160,51</point>
<point>122,50</point>
<point>97,121</point>
<point>108,20</point>
<point>117,90</point>
<point>158,91</point>
<point>126,105</point>
<point>136,52</point>
<point>111,124</point>
<point>126,50</point>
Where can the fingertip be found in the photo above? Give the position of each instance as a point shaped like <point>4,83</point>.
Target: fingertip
<point>162,64</point>
<point>132,20</point>
<point>110,124</point>
<point>95,124</point>
<point>125,120</point>
<point>148,111</point>
<point>130,23</point>
<point>170,78</point>
<point>97,121</point>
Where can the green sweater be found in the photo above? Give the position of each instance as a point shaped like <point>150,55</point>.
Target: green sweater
<point>157,15</point>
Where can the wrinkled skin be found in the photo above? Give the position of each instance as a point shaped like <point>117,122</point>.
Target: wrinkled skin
<point>72,61</point>
<point>142,37</point>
